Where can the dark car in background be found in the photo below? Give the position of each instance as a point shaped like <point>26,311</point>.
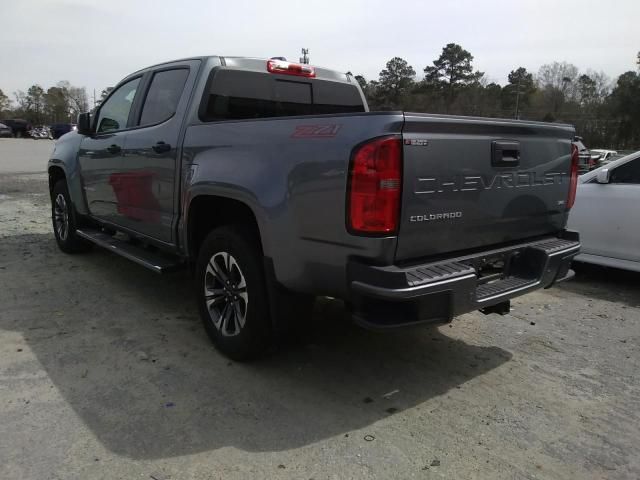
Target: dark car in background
<point>19,127</point>
<point>587,161</point>
<point>5,131</point>
<point>59,129</point>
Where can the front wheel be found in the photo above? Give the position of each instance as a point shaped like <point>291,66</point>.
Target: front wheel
<point>64,221</point>
<point>231,293</point>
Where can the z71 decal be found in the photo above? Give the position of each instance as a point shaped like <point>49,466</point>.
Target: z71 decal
<point>316,131</point>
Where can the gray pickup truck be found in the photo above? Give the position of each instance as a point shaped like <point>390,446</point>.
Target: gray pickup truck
<point>275,184</point>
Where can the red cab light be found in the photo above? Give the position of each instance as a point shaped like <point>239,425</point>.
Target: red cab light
<point>375,187</point>
<point>288,68</point>
<point>573,179</point>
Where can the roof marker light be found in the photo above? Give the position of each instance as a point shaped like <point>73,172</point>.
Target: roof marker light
<point>288,68</point>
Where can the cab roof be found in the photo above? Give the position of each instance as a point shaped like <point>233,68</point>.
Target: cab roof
<point>254,64</point>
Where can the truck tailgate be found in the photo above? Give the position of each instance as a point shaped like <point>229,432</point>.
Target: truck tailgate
<point>476,182</point>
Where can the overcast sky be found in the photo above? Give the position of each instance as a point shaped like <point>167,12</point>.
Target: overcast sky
<point>96,43</point>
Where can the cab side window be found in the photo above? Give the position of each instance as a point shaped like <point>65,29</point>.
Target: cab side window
<point>114,113</point>
<point>163,96</point>
<point>627,173</point>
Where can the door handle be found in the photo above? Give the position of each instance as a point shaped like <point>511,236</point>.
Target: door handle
<point>113,149</point>
<point>505,153</point>
<point>161,147</point>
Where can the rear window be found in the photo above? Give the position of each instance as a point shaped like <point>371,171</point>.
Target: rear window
<point>239,95</point>
<point>334,97</point>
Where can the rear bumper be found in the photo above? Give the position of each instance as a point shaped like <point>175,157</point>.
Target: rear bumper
<point>435,292</point>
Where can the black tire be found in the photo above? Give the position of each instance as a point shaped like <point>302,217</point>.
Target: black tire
<point>239,333</point>
<point>63,213</point>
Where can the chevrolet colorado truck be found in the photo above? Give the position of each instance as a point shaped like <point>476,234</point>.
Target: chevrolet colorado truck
<point>275,184</point>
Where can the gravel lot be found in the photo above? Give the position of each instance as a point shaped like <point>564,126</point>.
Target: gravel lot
<point>107,373</point>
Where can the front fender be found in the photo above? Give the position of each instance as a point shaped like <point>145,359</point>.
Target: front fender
<point>65,157</point>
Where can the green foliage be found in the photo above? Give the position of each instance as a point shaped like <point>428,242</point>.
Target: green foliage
<point>395,81</point>
<point>517,94</point>
<point>452,75</point>
<point>604,116</point>
<point>57,107</point>
<point>586,89</point>
<point>61,103</point>
<point>361,81</point>
<point>625,100</point>
<point>5,103</point>
<point>453,67</point>
<point>557,81</point>
<point>558,92</point>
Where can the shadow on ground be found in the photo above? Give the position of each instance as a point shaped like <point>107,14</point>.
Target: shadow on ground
<point>125,349</point>
<point>604,283</point>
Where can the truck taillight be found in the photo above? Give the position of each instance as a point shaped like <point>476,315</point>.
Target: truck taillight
<point>375,186</point>
<point>573,179</point>
<point>288,68</point>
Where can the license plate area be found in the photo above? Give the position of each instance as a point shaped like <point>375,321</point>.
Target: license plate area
<point>522,263</point>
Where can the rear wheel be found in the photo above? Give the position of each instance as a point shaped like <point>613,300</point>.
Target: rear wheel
<point>231,293</point>
<point>63,219</point>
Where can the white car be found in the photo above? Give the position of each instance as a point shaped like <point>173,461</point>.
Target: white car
<point>607,214</point>
<point>605,155</point>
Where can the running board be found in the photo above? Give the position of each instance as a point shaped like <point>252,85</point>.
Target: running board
<point>154,261</point>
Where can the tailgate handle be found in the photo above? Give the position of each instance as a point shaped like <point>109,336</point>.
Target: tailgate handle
<point>505,153</point>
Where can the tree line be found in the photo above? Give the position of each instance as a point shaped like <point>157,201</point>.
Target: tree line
<point>606,113</point>
<point>58,104</point>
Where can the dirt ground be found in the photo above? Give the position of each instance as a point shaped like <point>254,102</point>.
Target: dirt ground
<point>106,373</point>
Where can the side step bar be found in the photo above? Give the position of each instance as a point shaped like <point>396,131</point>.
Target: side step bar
<point>154,261</point>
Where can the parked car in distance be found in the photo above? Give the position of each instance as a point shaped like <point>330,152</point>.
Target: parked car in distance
<point>607,214</point>
<point>5,130</point>
<point>19,128</point>
<point>606,156</point>
<point>275,183</point>
<point>617,155</point>
<point>587,161</point>
<point>59,129</point>
<point>40,132</point>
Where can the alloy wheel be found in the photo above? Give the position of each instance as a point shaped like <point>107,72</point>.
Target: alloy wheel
<point>225,294</point>
<point>61,217</point>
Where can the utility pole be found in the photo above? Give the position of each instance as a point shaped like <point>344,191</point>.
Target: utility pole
<point>305,56</point>
<point>517,93</point>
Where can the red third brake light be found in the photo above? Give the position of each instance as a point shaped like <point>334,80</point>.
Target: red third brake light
<point>573,179</point>
<point>375,182</point>
<point>288,68</point>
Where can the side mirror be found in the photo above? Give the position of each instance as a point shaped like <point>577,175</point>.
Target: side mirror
<point>84,124</point>
<point>603,176</point>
